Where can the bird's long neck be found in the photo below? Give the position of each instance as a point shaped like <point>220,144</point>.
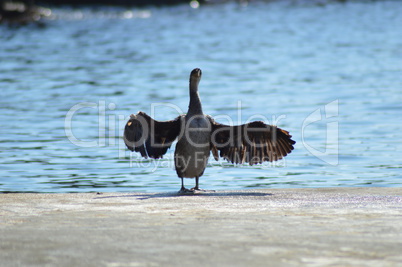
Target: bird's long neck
<point>195,106</point>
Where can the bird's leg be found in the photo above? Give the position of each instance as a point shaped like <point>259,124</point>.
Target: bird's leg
<point>196,188</point>
<point>196,185</point>
<point>184,190</point>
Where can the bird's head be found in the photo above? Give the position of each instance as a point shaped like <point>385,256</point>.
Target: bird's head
<point>195,76</point>
<point>196,73</point>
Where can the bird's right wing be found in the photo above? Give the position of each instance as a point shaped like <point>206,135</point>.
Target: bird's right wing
<point>254,142</point>
<point>150,137</point>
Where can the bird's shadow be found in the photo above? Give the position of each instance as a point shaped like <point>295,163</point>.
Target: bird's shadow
<point>143,196</point>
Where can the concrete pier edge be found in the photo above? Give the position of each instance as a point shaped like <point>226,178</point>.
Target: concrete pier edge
<point>269,227</point>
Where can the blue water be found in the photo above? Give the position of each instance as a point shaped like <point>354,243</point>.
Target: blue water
<point>330,73</point>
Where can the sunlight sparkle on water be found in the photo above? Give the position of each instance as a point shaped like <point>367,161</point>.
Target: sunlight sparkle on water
<point>194,4</point>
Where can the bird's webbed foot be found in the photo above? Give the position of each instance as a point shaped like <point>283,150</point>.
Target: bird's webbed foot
<point>184,191</point>
<point>199,190</point>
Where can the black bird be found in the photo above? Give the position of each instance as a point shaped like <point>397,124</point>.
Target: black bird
<point>198,134</point>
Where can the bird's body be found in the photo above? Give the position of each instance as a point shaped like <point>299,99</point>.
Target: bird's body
<point>198,134</point>
<point>193,148</point>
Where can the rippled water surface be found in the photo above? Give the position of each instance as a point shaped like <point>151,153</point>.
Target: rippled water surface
<point>331,74</point>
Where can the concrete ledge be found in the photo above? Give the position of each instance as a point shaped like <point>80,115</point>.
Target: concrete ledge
<point>290,227</point>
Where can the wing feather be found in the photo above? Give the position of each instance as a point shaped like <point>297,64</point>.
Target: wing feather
<point>150,137</point>
<point>254,142</point>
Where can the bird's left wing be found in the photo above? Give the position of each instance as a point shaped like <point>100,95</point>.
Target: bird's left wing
<point>254,142</point>
<point>150,137</point>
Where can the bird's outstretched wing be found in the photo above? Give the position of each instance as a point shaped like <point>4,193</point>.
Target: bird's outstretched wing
<point>150,137</point>
<point>254,142</point>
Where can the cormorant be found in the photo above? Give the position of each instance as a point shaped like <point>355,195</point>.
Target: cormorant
<point>199,134</point>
